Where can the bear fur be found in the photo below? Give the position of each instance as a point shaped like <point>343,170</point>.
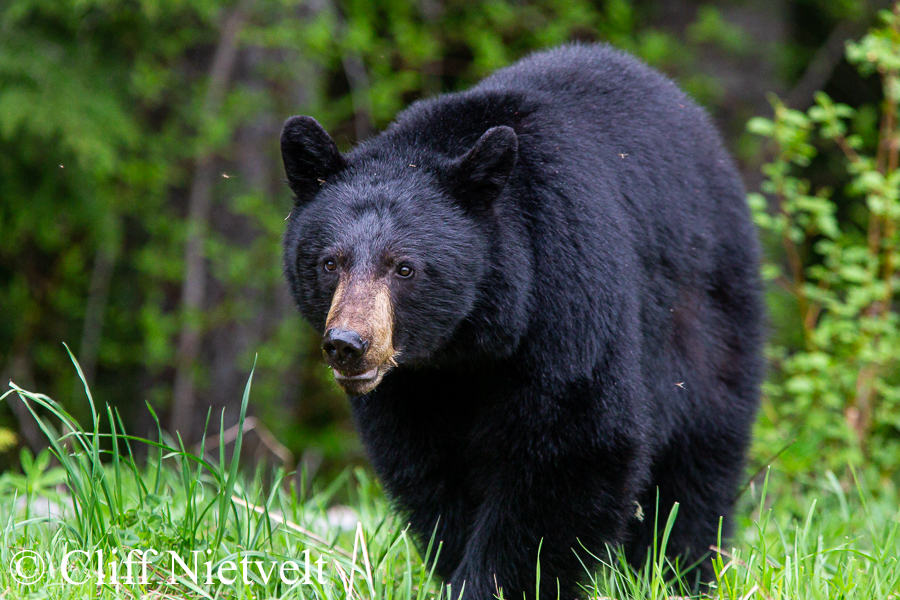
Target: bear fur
<point>558,273</point>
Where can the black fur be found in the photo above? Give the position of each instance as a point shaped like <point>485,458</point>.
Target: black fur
<point>584,325</point>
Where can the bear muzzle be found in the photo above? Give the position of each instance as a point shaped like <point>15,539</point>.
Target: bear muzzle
<point>358,334</point>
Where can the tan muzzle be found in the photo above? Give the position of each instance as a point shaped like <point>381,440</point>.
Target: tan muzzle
<point>359,331</point>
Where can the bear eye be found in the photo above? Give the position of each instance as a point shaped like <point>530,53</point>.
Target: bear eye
<point>330,265</point>
<point>405,271</point>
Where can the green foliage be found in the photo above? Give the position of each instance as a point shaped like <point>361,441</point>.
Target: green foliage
<point>38,478</point>
<point>194,505</point>
<point>102,121</point>
<point>836,383</point>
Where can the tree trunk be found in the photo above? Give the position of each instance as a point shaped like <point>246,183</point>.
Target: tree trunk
<point>193,288</point>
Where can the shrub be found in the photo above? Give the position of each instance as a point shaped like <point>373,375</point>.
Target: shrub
<point>835,382</point>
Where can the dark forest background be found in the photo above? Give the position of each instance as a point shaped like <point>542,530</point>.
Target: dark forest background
<point>142,197</point>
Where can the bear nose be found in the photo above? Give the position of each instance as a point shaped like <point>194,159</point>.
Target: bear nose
<point>343,346</point>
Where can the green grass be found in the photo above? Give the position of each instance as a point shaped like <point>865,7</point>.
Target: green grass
<point>822,540</point>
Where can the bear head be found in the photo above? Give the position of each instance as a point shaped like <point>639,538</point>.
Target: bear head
<point>387,247</point>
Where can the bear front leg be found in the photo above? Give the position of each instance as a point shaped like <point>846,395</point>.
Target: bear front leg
<point>416,453</point>
<point>558,505</point>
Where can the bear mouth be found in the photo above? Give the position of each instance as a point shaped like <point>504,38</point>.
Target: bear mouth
<point>359,383</point>
<point>368,375</point>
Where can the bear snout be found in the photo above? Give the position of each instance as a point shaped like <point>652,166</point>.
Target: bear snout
<point>358,341</point>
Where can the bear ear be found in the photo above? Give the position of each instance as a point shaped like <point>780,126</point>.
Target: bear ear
<point>310,156</point>
<point>481,174</point>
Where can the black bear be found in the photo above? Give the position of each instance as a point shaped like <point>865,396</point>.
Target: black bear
<point>542,295</point>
